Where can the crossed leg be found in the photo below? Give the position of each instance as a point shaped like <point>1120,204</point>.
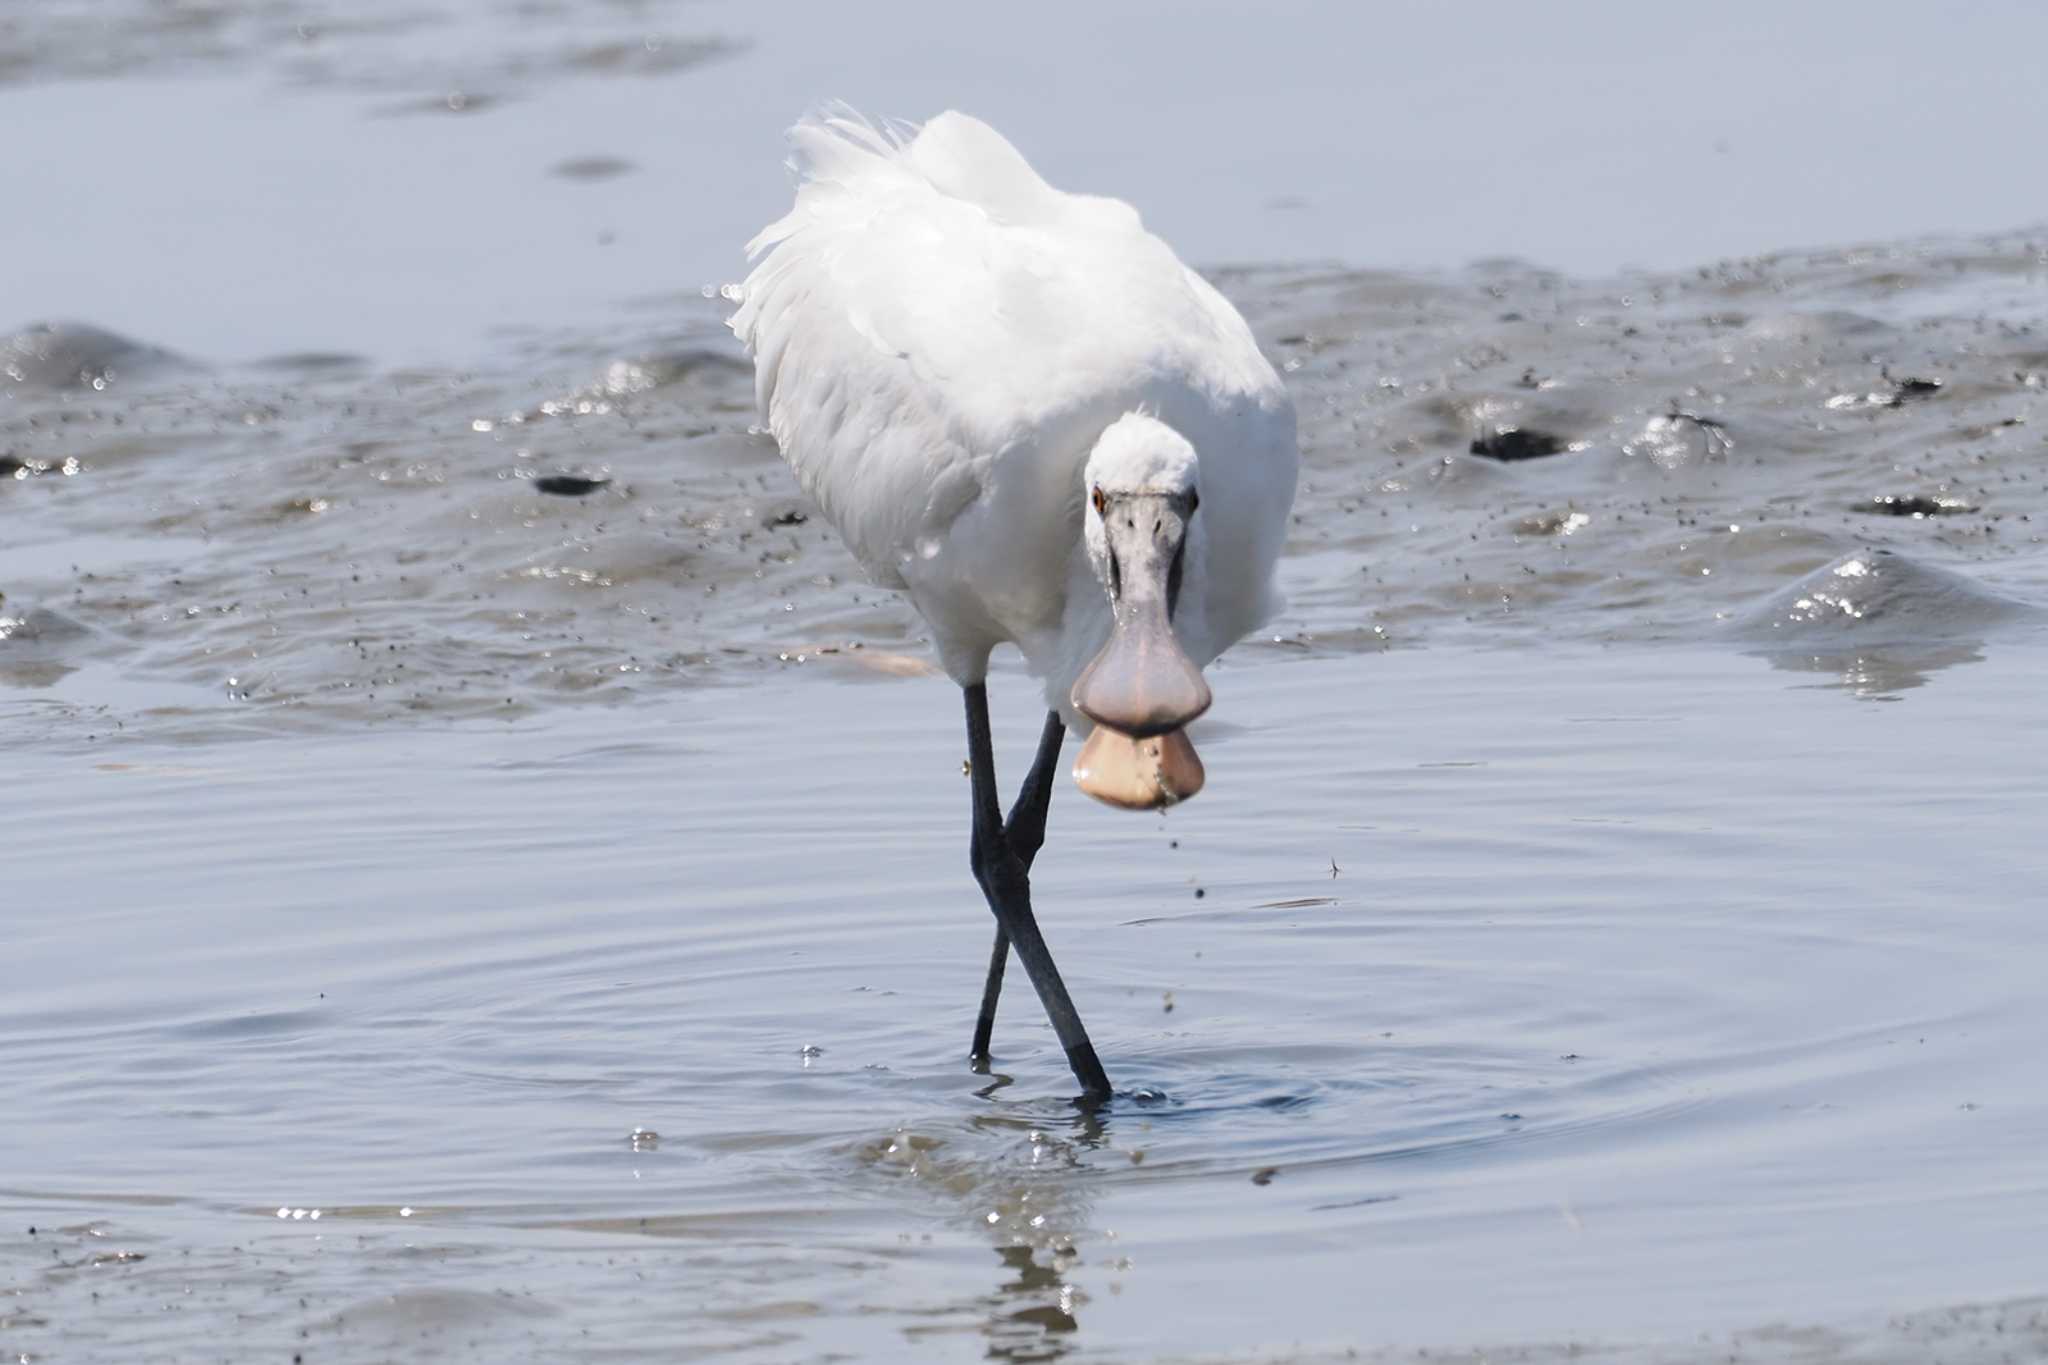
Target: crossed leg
<point>1001,855</point>
<point>1025,829</point>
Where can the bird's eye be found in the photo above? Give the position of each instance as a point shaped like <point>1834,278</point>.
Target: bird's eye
<point>1098,499</point>
<point>1194,500</point>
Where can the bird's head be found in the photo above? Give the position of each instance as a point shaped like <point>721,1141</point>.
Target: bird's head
<point>1142,689</point>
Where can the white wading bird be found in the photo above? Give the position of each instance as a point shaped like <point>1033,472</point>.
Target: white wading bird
<point>1020,408</point>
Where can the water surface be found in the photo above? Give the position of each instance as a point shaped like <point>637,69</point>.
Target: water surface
<point>488,876</point>
<point>1638,995</point>
<point>399,178</point>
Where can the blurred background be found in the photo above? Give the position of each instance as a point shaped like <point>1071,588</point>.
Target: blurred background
<point>398,177</point>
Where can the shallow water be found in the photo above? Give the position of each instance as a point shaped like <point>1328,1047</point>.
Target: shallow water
<point>488,876</point>
<point>1692,998</point>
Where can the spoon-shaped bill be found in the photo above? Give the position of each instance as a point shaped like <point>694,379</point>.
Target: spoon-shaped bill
<point>1142,683</point>
<point>1138,774</point>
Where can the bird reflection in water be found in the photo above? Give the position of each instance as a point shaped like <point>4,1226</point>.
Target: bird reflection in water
<point>1036,1224</point>
<point>1038,1329</point>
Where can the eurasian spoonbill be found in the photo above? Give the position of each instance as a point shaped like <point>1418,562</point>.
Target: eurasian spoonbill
<point>1019,407</point>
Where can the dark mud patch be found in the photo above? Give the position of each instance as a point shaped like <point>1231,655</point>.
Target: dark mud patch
<point>1519,443</point>
<point>648,55</point>
<point>1896,393</point>
<point>313,363</point>
<point>1911,390</point>
<point>569,485</point>
<point>1914,505</point>
<point>588,169</point>
<point>13,468</point>
<point>454,102</point>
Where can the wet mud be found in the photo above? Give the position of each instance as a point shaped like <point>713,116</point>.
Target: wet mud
<point>594,517</point>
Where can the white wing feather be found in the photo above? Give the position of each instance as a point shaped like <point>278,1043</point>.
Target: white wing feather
<point>939,336</point>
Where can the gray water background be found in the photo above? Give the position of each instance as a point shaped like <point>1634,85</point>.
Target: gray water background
<point>242,178</point>
<point>450,918</point>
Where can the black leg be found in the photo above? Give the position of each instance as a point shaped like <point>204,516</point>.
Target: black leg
<point>1007,885</point>
<point>991,992</point>
<point>1025,829</point>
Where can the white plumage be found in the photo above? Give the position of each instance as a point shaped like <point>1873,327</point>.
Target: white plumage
<point>940,340</point>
